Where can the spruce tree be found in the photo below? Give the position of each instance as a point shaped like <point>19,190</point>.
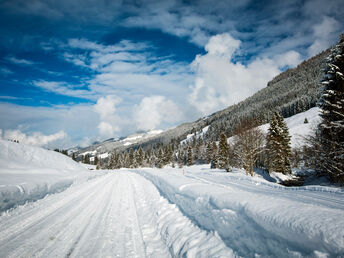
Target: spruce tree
<point>131,157</point>
<point>278,145</point>
<point>140,157</point>
<point>209,152</point>
<point>223,154</point>
<point>286,148</point>
<point>160,158</point>
<point>331,128</point>
<point>213,162</point>
<point>190,160</point>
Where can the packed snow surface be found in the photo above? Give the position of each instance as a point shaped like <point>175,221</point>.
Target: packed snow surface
<point>29,173</point>
<point>120,214</point>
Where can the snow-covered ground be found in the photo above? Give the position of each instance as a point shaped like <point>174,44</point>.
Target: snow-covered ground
<point>29,173</point>
<point>255,217</point>
<point>170,212</point>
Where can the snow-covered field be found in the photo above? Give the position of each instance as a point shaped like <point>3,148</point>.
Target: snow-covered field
<point>170,212</point>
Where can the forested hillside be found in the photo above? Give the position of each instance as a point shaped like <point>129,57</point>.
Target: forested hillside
<point>291,92</point>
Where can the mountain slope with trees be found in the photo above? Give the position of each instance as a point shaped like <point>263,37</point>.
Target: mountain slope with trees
<point>291,92</point>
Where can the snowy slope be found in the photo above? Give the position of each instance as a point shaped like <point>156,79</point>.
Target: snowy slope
<point>297,128</point>
<point>29,173</point>
<point>253,216</point>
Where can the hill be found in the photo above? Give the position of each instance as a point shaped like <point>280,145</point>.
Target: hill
<point>291,92</point>
<point>29,173</point>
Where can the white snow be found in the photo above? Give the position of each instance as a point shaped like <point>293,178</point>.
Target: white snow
<point>297,128</point>
<point>119,214</point>
<point>199,134</point>
<point>131,139</point>
<point>170,212</point>
<point>103,155</point>
<point>91,153</point>
<point>255,217</point>
<point>29,173</point>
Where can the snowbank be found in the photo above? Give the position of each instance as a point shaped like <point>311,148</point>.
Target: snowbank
<point>29,173</point>
<point>255,217</point>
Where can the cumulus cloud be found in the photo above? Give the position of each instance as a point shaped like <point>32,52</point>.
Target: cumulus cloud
<point>220,82</point>
<point>109,121</point>
<point>36,138</point>
<point>155,110</point>
<point>324,33</point>
<point>77,121</point>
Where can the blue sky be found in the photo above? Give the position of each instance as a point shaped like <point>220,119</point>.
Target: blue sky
<point>72,71</point>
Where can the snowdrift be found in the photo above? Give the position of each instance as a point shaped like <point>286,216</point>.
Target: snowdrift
<point>29,173</point>
<point>255,217</point>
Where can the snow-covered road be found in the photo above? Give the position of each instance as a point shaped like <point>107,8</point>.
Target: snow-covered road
<point>118,214</point>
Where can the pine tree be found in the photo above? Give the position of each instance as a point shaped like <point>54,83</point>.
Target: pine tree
<point>112,161</point>
<point>140,157</point>
<point>130,159</point>
<point>209,152</point>
<point>223,154</point>
<point>181,158</point>
<point>331,128</point>
<point>160,159</point>
<point>190,160</point>
<point>287,154</point>
<point>213,162</point>
<point>278,145</point>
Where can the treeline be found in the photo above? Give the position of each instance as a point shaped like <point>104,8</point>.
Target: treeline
<point>249,148</point>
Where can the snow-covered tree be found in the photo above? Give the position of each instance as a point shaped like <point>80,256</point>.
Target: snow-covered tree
<point>160,158</point>
<point>223,153</point>
<point>278,145</point>
<point>331,128</point>
<point>213,162</point>
<point>190,160</point>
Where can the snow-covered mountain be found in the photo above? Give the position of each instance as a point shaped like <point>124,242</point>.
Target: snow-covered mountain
<point>103,149</point>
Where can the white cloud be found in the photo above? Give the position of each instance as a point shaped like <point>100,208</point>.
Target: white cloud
<point>223,45</point>
<point>155,110</point>
<point>36,138</point>
<point>19,61</point>
<point>219,82</point>
<point>77,121</point>
<point>325,33</point>
<point>109,121</point>
<point>63,88</point>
